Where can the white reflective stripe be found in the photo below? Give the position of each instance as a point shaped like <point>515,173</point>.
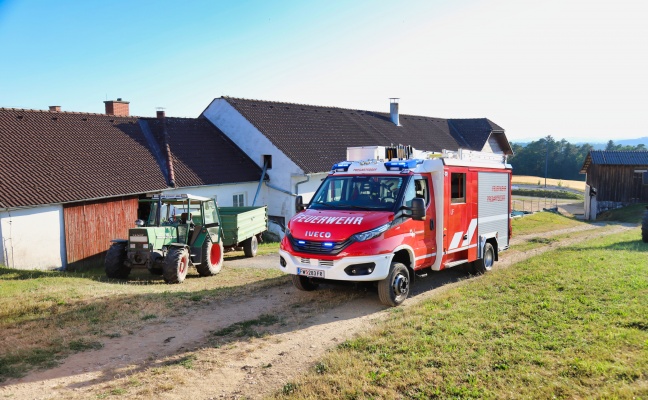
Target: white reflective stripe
<point>460,249</point>
<point>498,217</point>
<point>425,256</point>
<point>471,232</point>
<point>455,240</point>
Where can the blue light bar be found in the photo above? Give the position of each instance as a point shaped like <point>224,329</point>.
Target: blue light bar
<point>341,166</point>
<point>301,242</point>
<point>401,165</point>
<point>327,244</point>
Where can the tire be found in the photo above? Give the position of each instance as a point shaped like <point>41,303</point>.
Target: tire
<point>114,262</point>
<point>212,258</point>
<point>250,246</point>
<point>394,289</point>
<point>176,265</point>
<point>485,264</point>
<point>304,283</point>
<point>156,263</point>
<point>644,227</point>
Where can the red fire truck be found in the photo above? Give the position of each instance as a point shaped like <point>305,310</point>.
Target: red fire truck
<point>388,214</point>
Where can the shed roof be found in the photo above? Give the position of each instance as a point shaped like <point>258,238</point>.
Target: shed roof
<point>315,136</point>
<point>603,157</point>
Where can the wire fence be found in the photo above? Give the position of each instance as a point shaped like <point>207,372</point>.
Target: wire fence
<point>533,205</point>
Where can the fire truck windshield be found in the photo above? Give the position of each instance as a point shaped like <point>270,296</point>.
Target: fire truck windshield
<point>358,192</point>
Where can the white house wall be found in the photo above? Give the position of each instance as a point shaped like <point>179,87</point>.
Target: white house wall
<point>284,173</point>
<point>224,194</point>
<point>32,238</point>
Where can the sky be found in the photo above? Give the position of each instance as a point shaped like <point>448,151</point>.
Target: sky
<point>571,69</point>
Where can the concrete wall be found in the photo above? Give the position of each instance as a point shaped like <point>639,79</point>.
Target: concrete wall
<point>32,238</point>
<point>225,193</point>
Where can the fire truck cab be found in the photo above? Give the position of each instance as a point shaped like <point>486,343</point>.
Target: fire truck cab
<point>388,214</point>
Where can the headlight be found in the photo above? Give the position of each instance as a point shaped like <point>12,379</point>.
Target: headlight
<point>362,236</point>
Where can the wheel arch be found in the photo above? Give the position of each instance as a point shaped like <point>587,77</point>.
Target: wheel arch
<point>405,256</point>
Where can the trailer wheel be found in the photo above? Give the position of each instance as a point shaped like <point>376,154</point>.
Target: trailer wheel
<point>644,227</point>
<point>250,246</point>
<point>114,262</point>
<point>176,265</point>
<point>212,258</point>
<point>394,289</point>
<point>485,264</point>
<point>304,283</point>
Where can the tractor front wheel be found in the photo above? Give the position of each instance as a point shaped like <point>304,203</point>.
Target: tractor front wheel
<point>114,262</point>
<point>176,265</point>
<point>212,258</point>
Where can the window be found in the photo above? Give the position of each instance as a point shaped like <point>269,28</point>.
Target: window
<point>267,161</point>
<point>458,188</point>
<point>418,188</point>
<point>238,200</point>
<point>358,192</point>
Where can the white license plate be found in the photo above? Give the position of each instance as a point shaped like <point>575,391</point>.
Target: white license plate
<point>312,273</point>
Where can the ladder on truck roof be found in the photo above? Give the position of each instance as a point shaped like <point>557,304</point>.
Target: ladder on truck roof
<point>401,152</point>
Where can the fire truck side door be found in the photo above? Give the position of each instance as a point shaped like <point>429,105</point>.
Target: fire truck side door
<point>421,232</point>
<point>457,213</point>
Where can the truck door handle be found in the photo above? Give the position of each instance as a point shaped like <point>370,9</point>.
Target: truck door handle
<point>431,224</point>
<point>466,237</point>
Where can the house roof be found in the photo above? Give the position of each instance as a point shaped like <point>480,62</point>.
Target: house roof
<point>202,154</point>
<point>60,157</point>
<point>315,136</point>
<point>603,157</point>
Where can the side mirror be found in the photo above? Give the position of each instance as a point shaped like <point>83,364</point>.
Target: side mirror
<point>299,204</point>
<point>418,209</point>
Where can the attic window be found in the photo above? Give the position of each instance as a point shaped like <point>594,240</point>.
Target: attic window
<point>84,119</point>
<point>267,161</point>
<point>111,120</point>
<point>54,118</point>
<point>19,117</point>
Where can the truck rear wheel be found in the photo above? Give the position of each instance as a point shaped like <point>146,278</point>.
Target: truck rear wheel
<point>304,283</point>
<point>212,258</point>
<point>644,227</point>
<point>114,262</point>
<point>250,246</point>
<point>176,265</point>
<point>394,289</point>
<point>485,264</point>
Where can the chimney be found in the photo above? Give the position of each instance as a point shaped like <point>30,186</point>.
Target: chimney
<point>55,108</point>
<point>117,107</point>
<point>160,113</point>
<point>393,110</point>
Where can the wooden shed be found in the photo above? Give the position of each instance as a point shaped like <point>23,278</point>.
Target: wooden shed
<point>614,179</point>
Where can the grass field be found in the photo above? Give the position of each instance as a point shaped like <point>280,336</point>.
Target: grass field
<point>567,324</point>
<point>45,315</point>
<point>542,222</point>
<point>533,180</point>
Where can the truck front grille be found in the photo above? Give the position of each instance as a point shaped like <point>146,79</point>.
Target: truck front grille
<point>312,247</point>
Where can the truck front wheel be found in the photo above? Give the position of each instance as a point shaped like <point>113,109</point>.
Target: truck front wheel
<point>304,283</point>
<point>212,258</point>
<point>250,246</point>
<point>485,263</point>
<point>114,262</point>
<point>394,289</point>
<point>176,265</point>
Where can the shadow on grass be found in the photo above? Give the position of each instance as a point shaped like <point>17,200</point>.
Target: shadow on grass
<point>629,245</point>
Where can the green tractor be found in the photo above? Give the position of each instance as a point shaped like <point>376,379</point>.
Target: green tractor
<point>181,231</point>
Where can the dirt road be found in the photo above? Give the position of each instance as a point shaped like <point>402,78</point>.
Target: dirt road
<point>245,347</point>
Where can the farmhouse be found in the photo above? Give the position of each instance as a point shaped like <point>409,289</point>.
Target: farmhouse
<point>70,182</point>
<point>297,144</point>
<point>614,179</point>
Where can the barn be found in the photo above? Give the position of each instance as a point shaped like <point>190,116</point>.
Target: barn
<point>614,179</point>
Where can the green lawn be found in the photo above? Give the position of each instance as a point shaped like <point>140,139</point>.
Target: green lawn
<point>542,222</point>
<point>572,323</point>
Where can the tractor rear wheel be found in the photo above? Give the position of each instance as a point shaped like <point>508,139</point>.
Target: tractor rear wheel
<point>250,246</point>
<point>212,258</point>
<point>114,262</point>
<point>176,265</point>
<point>644,227</point>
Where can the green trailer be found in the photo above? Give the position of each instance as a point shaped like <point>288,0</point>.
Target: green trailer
<point>243,226</point>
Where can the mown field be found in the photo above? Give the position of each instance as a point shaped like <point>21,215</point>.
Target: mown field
<point>46,316</point>
<point>571,323</point>
<point>540,181</point>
